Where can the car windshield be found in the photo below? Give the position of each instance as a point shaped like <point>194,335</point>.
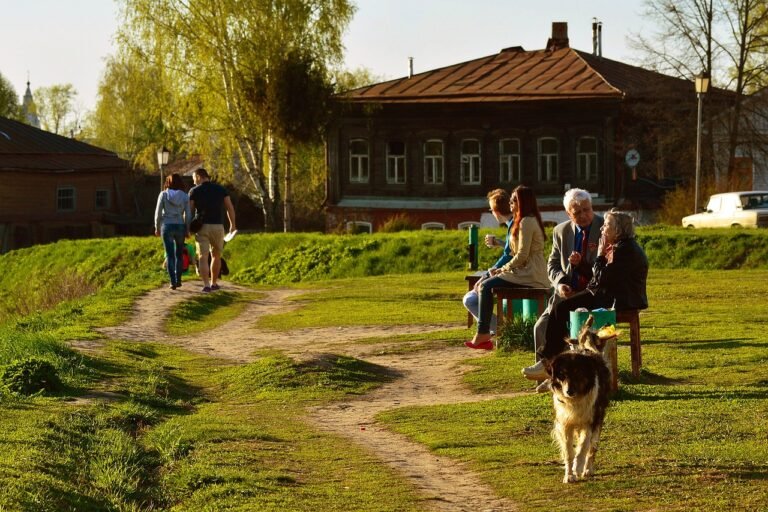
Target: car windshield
<point>752,201</point>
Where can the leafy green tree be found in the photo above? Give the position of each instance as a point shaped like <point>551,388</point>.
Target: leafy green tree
<point>218,59</point>
<point>56,108</point>
<point>9,100</point>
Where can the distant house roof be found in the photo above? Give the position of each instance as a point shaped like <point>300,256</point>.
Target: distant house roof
<point>26,148</point>
<point>514,74</point>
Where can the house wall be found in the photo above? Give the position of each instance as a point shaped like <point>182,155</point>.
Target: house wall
<point>29,213</point>
<point>488,123</point>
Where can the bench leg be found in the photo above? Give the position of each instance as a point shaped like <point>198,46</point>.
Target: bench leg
<point>634,340</point>
<point>611,356</point>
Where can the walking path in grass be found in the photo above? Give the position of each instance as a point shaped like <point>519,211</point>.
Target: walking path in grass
<point>424,377</point>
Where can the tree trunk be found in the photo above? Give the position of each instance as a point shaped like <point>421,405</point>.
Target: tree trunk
<point>274,179</point>
<point>287,196</point>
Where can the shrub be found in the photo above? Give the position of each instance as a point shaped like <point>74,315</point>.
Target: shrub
<point>516,335</point>
<point>30,375</point>
<point>398,222</point>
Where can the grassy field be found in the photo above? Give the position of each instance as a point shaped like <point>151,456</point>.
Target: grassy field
<point>146,426</point>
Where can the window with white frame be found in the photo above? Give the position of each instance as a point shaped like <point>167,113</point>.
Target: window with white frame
<point>470,162</point>
<point>65,199</point>
<point>396,162</point>
<point>586,159</point>
<point>101,201</point>
<point>358,161</point>
<point>509,160</point>
<point>436,226</point>
<point>358,226</point>
<point>466,224</point>
<point>549,150</point>
<point>433,162</point>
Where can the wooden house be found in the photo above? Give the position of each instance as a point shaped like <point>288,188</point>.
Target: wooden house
<point>54,187</point>
<point>431,145</point>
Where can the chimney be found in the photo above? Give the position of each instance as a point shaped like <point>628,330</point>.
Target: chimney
<point>599,38</point>
<point>559,37</point>
<point>410,67</point>
<point>594,36</point>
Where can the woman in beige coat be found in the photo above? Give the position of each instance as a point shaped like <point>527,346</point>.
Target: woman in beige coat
<point>527,269</point>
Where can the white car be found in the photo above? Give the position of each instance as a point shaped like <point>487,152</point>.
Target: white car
<point>732,209</point>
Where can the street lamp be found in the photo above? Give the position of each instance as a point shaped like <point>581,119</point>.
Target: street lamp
<point>702,86</point>
<point>162,160</point>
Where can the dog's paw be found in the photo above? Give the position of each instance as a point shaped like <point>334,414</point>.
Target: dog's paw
<point>569,479</point>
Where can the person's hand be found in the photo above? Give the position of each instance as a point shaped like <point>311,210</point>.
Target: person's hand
<point>608,253</point>
<point>495,272</point>
<point>157,233</point>
<point>563,290</point>
<point>575,258</point>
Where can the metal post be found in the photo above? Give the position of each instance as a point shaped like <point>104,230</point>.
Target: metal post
<point>472,247</point>
<point>698,157</point>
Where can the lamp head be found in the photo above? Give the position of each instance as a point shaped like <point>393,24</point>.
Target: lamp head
<point>702,83</point>
<point>162,156</point>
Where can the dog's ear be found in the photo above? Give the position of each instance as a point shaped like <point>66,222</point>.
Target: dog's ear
<point>600,343</point>
<point>572,342</point>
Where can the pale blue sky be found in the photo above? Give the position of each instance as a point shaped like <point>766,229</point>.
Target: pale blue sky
<point>66,41</point>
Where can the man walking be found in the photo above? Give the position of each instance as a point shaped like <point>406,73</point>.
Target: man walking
<point>206,200</point>
<point>574,250</point>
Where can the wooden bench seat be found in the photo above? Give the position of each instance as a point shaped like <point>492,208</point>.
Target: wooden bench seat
<point>540,295</point>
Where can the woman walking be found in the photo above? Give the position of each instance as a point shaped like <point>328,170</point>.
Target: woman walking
<point>172,218</point>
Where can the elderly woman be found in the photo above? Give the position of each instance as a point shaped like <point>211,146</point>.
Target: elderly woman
<point>619,276</point>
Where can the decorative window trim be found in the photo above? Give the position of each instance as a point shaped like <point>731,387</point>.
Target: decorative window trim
<point>466,224</point>
<point>359,163</point>
<point>471,164</point>
<point>510,170</point>
<point>437,226</point>
<point>548,163</point>
<point>587,162</point>
<point>353,226</point>
<point>396,165</point>
<point>62,198</point>
<point>107,202</point>
<point>434,165</point>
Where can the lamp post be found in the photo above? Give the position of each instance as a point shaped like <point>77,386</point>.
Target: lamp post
<point>702,86</point>
<point>162,161</point>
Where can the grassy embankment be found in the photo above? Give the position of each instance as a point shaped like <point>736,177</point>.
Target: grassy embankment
<point>187,431</point>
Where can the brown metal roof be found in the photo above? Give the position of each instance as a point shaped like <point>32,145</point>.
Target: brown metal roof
<point>517,75</point>
<point>24,147</point>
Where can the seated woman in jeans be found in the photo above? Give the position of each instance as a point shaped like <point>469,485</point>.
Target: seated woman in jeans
<point>619,277</point>
<point>526,269</point>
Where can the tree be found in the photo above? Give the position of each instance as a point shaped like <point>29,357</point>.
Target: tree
<point>55,108</point>
<point>216,60</point>
<point>128,117</point>
<point>9,100</point>
<point>726,39</point>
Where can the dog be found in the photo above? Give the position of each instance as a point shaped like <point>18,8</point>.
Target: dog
<point>580,384</point>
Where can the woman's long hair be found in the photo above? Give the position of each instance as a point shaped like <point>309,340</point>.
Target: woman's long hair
<point>526,207</point>
<point>174,182</point>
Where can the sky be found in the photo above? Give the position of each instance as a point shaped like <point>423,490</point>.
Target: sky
<point>67,41</point>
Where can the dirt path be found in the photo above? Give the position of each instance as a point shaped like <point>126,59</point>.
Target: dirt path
<point>425,377</point>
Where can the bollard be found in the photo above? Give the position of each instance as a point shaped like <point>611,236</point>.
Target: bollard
<point>472,247</point>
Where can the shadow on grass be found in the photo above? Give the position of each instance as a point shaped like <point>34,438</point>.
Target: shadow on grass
<point>721,344</point>
<point>344,368</point>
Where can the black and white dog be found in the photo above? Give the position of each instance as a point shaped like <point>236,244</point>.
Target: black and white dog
<point>580,382</point>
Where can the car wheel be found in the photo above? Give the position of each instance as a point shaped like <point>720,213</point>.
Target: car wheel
<point>738,226</point>
<point>689,226</point>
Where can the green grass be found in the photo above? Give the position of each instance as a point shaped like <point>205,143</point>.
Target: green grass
<point>208,311</point>
<point>169,429</point>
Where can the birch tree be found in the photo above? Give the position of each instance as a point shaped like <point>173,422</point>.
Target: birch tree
<point>216,57</point>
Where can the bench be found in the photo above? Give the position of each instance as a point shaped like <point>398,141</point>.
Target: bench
<point>540,295</point>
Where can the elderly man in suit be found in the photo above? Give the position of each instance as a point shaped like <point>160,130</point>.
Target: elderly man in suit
<point>574,250</point>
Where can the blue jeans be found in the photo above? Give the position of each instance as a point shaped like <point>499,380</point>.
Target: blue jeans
<point>472,303</point>
<point>486,301</point>
<point>173,241</point>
